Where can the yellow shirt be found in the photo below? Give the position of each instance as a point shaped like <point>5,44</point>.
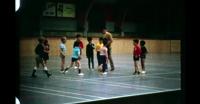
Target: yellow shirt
<point>108,36</point>
<point>99,46</point>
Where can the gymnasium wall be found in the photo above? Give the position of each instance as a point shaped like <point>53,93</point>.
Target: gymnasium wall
<point>119,46</point>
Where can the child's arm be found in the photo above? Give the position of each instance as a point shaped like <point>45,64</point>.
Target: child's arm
<point>93,46</point>
<point>106,51</point>
<point>47,50</point>
<point>61,52</point>
<point>87,51</point>
<point>79,54</point>
<point>146,50</point>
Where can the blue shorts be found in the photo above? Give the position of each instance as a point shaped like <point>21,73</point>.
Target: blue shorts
<point>74,59</point>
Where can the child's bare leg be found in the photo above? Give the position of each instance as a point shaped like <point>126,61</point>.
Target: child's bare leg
<point>62,63</point>
<point>71,65</point>
<point>142,64</point>
<point>136,67</point>
<point>78,65</point>
<point>100,67</point>
<point>45,68</point>
<point>37,60</point>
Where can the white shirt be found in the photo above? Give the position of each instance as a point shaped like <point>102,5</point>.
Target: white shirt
<point>103,51</point>
<point>63,48</point>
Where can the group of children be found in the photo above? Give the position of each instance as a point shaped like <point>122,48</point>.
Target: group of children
<point>42,51</point>
<point>139,52</point>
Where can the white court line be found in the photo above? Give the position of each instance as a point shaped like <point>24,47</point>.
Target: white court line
<point>148,75</point>
<point>164,77</point>
<point>112,84</point>
<point>59,91</point>
<point>54,94</point>
<point>175,72</point>
<point>115,97</point>
<point>125,84</point>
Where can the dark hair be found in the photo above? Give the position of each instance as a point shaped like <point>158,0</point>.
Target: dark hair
<point>100,39</point>
<point>45,41</point>
<point>89,38</point>
<point>105,41</point>
<point>78,35</point>
<point>142,42</point>
<point>62,39</point>
<point>136,40</point>
<point>76,44</point>
<point>41,39</point>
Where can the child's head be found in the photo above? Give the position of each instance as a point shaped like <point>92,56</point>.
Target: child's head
<point>76,44</point>
<point>41,39</point>
<point>104,30</point>
<point>63,39</point>
<point>135,41</point>
<point>142,43</point>
<point>100,40</point>
<point>46,41</point>
<point>78,36</point>
<point>105,41</point>
<point>89,39</point>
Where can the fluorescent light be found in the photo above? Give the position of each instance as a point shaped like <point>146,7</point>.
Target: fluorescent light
<point>17,5</point>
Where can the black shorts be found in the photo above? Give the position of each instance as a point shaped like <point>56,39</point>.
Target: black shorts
<point>46,56</point>
<point>136,58</point>
<point>74,59</point>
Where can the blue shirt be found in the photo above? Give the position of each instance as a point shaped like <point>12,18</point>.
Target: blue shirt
<point>76,52</point>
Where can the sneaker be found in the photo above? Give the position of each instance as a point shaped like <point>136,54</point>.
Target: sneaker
<point>80,74</point>
<point>143,72</point>
<point>138,72</point>
<point>65,71</point>
<point>112,69</point>
<point>135,73</point>
<point>75,67</point>
<point>48,75</point>
<point>62,71</point>
<point>104,73</point>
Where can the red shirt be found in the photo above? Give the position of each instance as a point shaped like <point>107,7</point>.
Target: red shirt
<point>81,44</point>
<point>136,50</point>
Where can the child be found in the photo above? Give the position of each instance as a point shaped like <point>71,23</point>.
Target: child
<point>104,57</point>
<point>46,51</point>
<point>99,45</point>
<point>39,50</point>
<point>78,39</point>
<point>75,58</point>
<point>143,55</point>
<point>136,55</point>
<point>89,52</point>
<point>63,50</point>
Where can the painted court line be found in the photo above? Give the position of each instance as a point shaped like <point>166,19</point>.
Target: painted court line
<point>54,94</point>
<point>111,83</point>
<point>116,84</point>
<point>125,84</point>
<point>59,91</point>
<point>115,97</point>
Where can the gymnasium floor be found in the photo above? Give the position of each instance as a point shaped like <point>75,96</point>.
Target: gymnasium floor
<point>163,74</point>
